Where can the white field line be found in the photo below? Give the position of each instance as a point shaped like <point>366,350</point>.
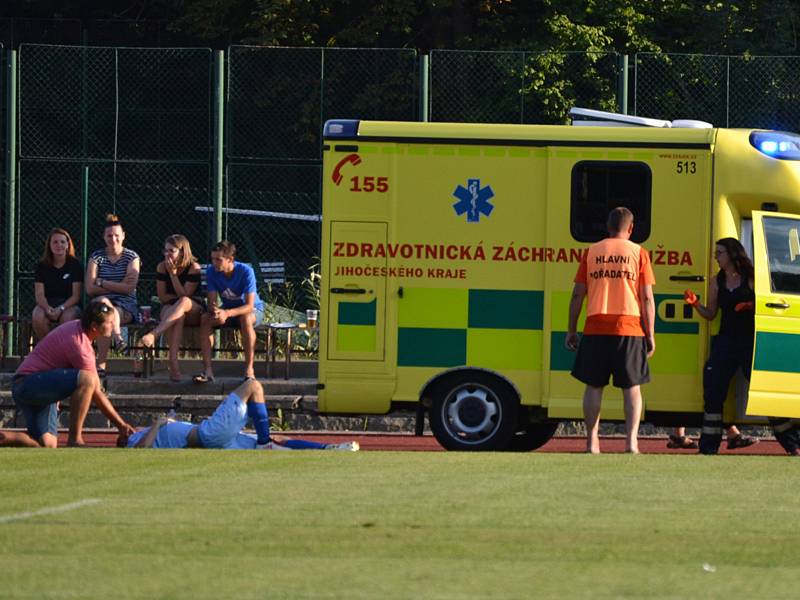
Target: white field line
<point>49,510</point>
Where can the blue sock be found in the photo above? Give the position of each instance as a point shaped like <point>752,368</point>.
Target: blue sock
<point>303,445</point>
<point>257,411</point>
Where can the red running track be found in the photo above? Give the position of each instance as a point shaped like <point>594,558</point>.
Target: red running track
<point>406,442</point>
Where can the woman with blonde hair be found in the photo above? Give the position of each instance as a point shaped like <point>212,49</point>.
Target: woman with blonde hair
<point>177,281</point>
<point>112,273</point>
<point>57,283</point>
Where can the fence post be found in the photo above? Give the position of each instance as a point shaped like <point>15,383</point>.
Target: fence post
<point>11,194</point>
<point>622,84</point>
<point>424,66</point>
<point>219,142</point>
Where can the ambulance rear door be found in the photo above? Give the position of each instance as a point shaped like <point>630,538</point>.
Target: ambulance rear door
<point>775,380</point>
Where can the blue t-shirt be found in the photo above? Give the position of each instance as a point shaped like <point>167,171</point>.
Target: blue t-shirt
<point>232,290</point>
<point>171,435</point>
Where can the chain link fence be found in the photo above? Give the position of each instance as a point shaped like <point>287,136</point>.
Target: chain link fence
<point>141,121</point>
<point>519,87</point>
<point>277,102</point>
<point>4,200</point>
<point>727,91</point>
<point>138,123</point>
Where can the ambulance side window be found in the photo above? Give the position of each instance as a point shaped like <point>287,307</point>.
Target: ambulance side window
<point>783,253</point>
<point>599,186</point>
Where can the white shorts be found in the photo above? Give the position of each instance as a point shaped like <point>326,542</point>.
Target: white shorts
<point>221,428</point>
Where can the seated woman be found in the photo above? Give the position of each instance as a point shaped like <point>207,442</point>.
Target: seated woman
<point>57,286</point>
<point>177,280</point>
<point>112,273</point>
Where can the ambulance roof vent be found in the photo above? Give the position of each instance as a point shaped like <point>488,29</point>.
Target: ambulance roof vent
<point>691,124</point>
<point>601,118</point>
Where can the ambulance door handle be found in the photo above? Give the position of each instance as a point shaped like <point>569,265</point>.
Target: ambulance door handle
<point>777,305</point>
<point>687,278</point>
<point>348,291</point>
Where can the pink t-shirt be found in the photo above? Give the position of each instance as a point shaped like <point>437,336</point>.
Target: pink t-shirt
<point>66,347</point>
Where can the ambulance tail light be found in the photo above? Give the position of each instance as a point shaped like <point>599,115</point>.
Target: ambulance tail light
<point>777,144</point>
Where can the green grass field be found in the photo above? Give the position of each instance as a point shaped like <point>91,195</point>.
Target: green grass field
<point>206,524</point>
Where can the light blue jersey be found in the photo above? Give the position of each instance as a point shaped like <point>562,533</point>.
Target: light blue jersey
<point>171,435</point>
<point>220,430</point>
<point>243,441</point>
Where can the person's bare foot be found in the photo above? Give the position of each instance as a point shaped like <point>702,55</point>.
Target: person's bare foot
<point>632,451</point>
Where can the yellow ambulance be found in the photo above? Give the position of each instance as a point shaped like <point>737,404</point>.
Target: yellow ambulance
<point>449,252</point>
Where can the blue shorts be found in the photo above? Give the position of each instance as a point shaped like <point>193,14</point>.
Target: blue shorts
<point>233,322</point>
<point>221,428</point>
<point>36,396</point>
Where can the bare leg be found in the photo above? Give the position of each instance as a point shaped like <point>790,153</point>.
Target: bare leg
<point>103,345</point>
<point>40,323</point>
<point>70,314</point>
<point>680,432</point>
<point>732,432</point>
<point>79,403</point>
<point>48,440</point>
<point>250,391</point>
<point>592,399</point>
<point>249,343</point>
<point>169,316</point>
<point>17,439</point>
<point>206,341</point>
<point>174,341</point>
<point>633,414</point>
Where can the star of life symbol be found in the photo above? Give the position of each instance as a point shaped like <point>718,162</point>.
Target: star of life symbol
<point>473,200</point>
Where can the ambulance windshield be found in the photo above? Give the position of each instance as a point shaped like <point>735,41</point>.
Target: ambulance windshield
<point>777,144</point>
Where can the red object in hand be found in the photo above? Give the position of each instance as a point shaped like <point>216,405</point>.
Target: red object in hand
<point>743,306</point>
<point>690,297</point>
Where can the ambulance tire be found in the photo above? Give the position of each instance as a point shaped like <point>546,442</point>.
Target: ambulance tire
<point>473,411</point>
<point>533,436</point>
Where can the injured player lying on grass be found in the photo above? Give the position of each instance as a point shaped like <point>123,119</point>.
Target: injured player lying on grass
<point>224,428</point>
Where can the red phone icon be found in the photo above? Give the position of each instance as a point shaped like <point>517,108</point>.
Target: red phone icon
<point>337,177</point>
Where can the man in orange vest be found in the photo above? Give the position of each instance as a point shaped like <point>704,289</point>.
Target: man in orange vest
<point>616,276</point>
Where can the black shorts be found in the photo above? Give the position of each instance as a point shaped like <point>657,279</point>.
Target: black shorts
<point>601,356</point>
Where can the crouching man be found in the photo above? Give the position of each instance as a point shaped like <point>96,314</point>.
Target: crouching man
<point>62,366</point>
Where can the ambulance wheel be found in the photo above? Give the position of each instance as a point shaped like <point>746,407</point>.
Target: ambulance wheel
<point>533,436</point>
<point>473,411</point>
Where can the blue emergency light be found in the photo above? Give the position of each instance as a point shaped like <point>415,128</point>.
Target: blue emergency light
<point>777,144</point>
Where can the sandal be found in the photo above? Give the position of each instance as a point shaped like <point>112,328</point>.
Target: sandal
<point>741,441</point>
<point>101,372</point>
<point>681,442</point>
<point>203,378</point>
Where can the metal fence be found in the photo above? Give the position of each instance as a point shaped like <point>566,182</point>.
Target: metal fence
<point>112,130</point>
<point>277,102</point>
<point>727,91</point>
<point>161,138</point>
<point>520,87</point>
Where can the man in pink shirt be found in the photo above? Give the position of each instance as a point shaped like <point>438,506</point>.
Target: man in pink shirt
<point>62,366</point>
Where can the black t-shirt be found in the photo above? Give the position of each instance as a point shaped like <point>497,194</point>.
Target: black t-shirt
<point>736,324</point>
<point>58,282</point>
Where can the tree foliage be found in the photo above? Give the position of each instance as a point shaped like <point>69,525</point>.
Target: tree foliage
<point>625,26</point>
